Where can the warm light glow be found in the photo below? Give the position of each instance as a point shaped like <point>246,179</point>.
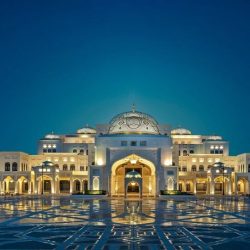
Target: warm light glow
<point>225,171</point>
<point>133,183</point>
<point>99,162</point>
<point>217,171</point>
<point>193,160</point>
<point>133,161</point>
<point>167,163</point>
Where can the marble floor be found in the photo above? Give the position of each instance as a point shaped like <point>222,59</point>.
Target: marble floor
<point>69,222</point>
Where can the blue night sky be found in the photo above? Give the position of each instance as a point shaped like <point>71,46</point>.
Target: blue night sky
<point>64,64</point>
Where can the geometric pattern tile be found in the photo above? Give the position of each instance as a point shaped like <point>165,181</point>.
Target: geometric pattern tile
<point>67,222</point>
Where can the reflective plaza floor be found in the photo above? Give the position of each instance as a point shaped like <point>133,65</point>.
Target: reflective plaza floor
<point>69,222</point>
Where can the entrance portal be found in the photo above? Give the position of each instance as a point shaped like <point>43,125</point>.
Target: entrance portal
<point>143,184</point>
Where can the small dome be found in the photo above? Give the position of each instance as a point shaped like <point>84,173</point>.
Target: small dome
<point>133,174</point>
<point>86,130</point>
<point>133,122</point>
<point>47,164</point>
<point>214,138</point>
<point>180,131</point>
<point>52,136</point>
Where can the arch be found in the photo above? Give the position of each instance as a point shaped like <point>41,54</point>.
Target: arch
<point>242,185</point>
<point>133,187</point>
<point>130,162</point>
<point>194,168</point>
<point>77,185</point>
<point>14,166</point>
<point>85,185</point>
<point>7,166</point>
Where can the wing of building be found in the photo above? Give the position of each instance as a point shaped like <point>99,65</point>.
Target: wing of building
<point>132,155</point>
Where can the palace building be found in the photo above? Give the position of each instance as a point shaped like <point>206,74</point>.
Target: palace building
<point>132,155</point>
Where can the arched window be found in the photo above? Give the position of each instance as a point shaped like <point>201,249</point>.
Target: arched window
<point>201,168</point>
<point>82,151</point>
<point>194,169</point>
<point>74,150</point>
<point>184,152</point>
<point>184,169</point>
<point>191,151</point>
<point>7,166</point>
<point>14,166</point>
<point>72,167</point>
<point>65,167</point>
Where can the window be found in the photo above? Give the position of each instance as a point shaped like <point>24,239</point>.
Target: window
<point>87,152</point>
<point>54,150</point>
<point>143,143</point>
<point>170,172</point>
<point>194,169</point>
<point>124,143</point>
<point>81,168</point>
<point>184,152</point>
<point>188,187</point>
<point>82,151</point>
<point>72,167</point>
<point>184,169</point>
<point>133,143</point>
<point>65,167</point>
<point>14,166</point>
<point>44,150</point>
<point>201,168</point>
<point>191,151</point>
<point>221,151</point>
<point>49,150</point>
<point>7,166</point>
<point>74,150</point>
<point>87,168</point>
<point>248,168</point>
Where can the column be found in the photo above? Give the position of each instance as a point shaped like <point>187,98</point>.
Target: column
<point>16,187</point>
<point>7,187</point>
<point>212,186</point>
<point>81,186</point>
<point>52,186</point>
<point>71,186</point>
<point>29,187</point>
<point>235,185</point>
<point>184,186</point>
<point>229,187</point>
<point>194,186</point>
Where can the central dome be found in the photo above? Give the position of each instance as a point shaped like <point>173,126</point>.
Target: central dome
<point>133,122</point>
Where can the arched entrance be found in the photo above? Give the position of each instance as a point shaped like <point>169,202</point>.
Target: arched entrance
<point>222,185</point>
<point>44,185</point>
<point>119,186</point>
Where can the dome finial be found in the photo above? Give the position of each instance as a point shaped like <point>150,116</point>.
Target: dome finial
<point>133,107</point>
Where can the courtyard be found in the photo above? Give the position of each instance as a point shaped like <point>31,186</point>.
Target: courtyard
<point>75,222</point>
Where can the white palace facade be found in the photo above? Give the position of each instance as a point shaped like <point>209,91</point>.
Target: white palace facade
<point>133,154</point>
